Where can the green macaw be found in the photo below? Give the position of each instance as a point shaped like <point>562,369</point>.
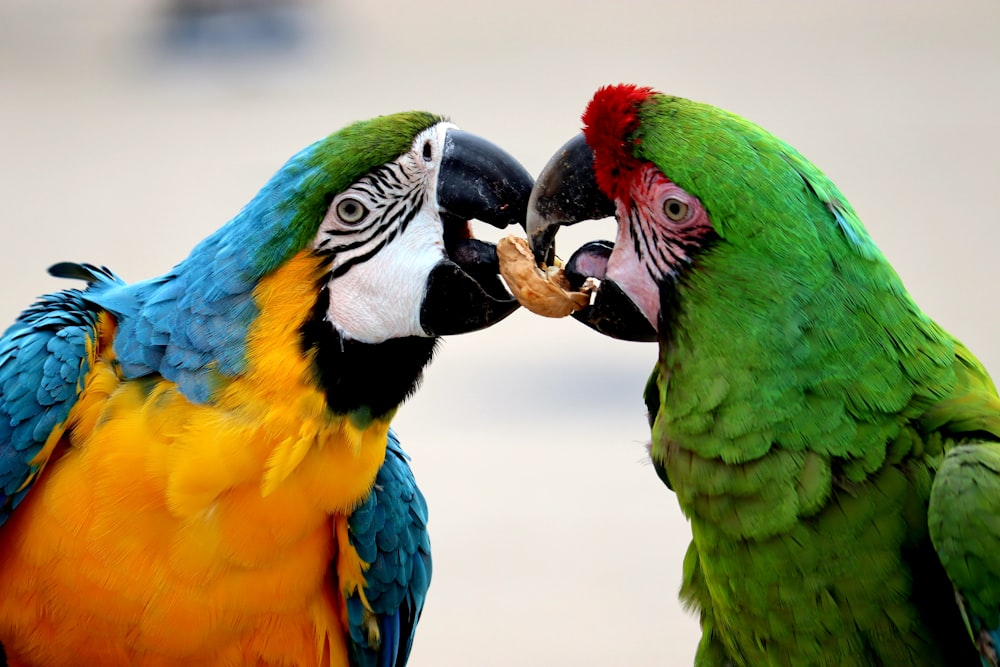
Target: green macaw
<point>834,449</point>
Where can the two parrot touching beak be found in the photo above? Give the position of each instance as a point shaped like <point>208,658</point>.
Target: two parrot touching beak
<point>199,468</point>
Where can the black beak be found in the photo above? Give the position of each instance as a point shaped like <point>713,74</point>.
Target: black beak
<point>566,193</point>
<point>477,180</point>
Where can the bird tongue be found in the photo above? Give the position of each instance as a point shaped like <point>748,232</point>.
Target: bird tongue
<point>479,260</point>
<point>612,312</point>
<point>589,261</point>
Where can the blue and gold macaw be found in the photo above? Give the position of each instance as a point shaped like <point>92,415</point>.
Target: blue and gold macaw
<point>198,468</point>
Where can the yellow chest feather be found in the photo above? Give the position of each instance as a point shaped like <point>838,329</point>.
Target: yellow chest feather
<point>175,533</point>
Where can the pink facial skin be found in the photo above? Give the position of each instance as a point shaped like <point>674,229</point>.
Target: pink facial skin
<point>659,229</point>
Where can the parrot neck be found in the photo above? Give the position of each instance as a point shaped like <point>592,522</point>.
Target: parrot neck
<point>772,391</point>
<point>365,380</point>
<point>280,397</point>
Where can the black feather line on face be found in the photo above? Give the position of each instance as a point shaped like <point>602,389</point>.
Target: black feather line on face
<point>672,283</point>
<point>360,259</point>
<point>665,252</point>
<point>670,308</point>
<point>388,222</point>
<point>354,375</point>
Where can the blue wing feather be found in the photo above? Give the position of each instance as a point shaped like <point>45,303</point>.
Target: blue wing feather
<point>389,531</point>
<point>190,324</point>
<point>43,359</point>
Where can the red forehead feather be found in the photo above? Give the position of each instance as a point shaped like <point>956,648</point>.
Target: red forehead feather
<point>611,117</point>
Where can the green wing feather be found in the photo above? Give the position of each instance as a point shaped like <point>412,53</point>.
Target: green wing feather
<point>964,520</point>
<point>964,511</point>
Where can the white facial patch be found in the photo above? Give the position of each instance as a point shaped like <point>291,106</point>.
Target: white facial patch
<point>384,237</point>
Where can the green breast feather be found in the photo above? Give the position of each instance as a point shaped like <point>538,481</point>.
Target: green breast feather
<point>836,451</point>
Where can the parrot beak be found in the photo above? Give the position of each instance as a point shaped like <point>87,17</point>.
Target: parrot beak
<point>476,180</point>
<point>567,193</point>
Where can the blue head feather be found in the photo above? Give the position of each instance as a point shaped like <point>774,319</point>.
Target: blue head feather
<point>190,325</point>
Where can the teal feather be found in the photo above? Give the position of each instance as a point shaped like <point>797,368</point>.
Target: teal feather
<point>43,359</point>
<point>389,531</point>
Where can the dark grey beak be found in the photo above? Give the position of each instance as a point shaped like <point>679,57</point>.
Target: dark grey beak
<point>566,193</point>
<point>477,180</point>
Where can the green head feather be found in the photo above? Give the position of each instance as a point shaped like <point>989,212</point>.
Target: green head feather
<point>289,209</point>
<point>751,183</point>
<point>792,331</point>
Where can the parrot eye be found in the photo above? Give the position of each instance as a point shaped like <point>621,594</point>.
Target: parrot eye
<point>675,209</point>
<point>351,211</point>
<point>428,153</point>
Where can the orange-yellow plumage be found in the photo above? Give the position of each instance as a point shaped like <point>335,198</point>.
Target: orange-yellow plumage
<point>211,478</point>
<point>195,534</point>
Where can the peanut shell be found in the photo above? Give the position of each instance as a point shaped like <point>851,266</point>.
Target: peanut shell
<point>542,291</point>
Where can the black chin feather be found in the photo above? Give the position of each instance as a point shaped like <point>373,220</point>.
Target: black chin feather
<point>369,377</point>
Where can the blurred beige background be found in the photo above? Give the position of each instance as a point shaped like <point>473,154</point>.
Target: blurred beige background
<point>126,140</point>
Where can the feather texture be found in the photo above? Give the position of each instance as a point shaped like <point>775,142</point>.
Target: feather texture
<point>190,325</point>
<point>389,533</point>
<point>211,559</point>
<point>801,409</point>
<point>184,492</point>
<point>45,357</point>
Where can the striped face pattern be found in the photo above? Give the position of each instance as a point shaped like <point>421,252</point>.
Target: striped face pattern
<point>383,236</point>
<point>660,228</point>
